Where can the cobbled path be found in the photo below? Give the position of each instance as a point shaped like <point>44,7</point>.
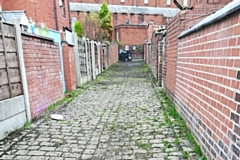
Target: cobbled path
<point>117,117</point>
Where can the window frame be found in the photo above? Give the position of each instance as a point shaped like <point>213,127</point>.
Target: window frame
<point>127,22</point>
<point>168,2</point>
<point>63,8</point>
<point>185,2</point>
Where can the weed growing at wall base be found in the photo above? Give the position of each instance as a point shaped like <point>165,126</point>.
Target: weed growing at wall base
<point>170,111</point>
<point>26,125</point>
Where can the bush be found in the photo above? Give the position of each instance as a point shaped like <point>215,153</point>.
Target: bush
<point>78,28</point>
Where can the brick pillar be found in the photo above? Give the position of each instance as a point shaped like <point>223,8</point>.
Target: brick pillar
<point>69,69</point>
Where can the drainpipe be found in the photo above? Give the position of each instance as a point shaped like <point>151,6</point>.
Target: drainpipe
<point>55,14</point>
<point>70,24</point>
<point>137,3</point>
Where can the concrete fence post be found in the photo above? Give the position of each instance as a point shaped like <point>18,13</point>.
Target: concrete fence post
<point>99,63</point>
<point>23,70</point>
<point>93,60</point>
<point>76,60</point>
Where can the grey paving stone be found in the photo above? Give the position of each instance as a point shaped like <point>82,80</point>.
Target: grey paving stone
<point>21,152</point>
<point>7,157</point>
<point>39,158</point>
<point>54,154</point>
<point>47,148</point>
<point>85,156</point>
<point>22,157</point>
<point>36,153</point>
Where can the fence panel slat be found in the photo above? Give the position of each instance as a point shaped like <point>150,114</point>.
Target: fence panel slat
<point>4,92</point>
<point>5,54</point>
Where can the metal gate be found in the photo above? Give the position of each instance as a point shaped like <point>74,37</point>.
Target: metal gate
<point>13,103</point>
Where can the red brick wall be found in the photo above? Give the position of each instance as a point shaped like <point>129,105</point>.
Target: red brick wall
<point>151,3</point>
<point>113,54</point>
<point>174,29</point>
<point>43,70</point>
<point>183,20</point>
<point>40,11</point>
<point>207,88</point>
<point>69,68</point>
<point>130,34</point>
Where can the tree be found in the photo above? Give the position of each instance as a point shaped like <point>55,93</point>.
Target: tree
<point>78,28</point>
<point>105,21</point>
<point>91,26</point>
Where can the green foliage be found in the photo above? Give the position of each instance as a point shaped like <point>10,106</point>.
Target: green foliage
<point>167,144</point>
<point>103,112</point>
<point>78,28</point>
<point>202,158</point>
<point>105,21</point>
<point>139,47</point>
<point>120,43</point>
<point>91,26</point>
<point>26,125</point>
<point>197,149</point>
<point>185,155</point>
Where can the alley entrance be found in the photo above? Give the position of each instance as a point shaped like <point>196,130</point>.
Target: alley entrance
<point>118,116</point>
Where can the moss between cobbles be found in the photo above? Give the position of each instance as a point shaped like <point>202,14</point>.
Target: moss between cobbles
<point>169,110</point>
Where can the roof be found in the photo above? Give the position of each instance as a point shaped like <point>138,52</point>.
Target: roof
<point>7,15</point>
<point>220,14</point>
<point>167,12</point>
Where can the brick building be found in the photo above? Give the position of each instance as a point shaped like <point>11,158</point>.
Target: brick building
<point>129,18</point>
<point>54,13</point>
<point>146,3</point>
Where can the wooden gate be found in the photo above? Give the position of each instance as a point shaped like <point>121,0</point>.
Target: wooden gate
<point>12,100</point>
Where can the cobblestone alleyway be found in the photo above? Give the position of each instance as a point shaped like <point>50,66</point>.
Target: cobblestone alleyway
<point>117,117</point>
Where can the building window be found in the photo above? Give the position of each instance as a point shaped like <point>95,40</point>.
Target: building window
<point>122,1</point>
<point>145,1</point>
<point>127,22</point>
<point>185,2</point>
<point>169,2</point>
<point>62,4</point>
<point>140,18</point>
<point>152,22</point>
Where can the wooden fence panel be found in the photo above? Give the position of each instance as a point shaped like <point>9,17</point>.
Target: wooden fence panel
<point>10,77</point>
